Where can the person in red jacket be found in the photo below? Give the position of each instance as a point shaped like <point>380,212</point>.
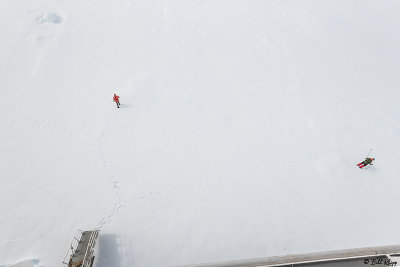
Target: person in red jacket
<point>116,100</point>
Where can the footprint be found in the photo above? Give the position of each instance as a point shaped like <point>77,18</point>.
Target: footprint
<point>53,18</point>
<point>115,184</point>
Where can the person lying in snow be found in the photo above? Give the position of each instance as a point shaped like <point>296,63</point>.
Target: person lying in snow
<point>365,162</point>
<point>116,100</point>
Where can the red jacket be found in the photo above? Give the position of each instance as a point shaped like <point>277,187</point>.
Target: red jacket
<point>116,98</point>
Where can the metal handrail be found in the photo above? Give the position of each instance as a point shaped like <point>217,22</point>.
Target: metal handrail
<point>71,247</point>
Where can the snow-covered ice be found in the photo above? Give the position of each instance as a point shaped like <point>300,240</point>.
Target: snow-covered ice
<point>238,136</point>
<point>24,263</point>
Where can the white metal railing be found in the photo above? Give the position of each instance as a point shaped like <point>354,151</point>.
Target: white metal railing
<point>309,259</point>
<point>92,239</point>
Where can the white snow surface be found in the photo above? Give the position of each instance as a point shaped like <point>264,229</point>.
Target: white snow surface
<point>238,136</point>
<point>24,263</point>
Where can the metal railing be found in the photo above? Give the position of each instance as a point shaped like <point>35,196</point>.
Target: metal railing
<point>89,248</point>
<point>72,247</point>
<point>312,259</point>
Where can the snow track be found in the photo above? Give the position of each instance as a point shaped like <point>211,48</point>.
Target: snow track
<point>113,179</point>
